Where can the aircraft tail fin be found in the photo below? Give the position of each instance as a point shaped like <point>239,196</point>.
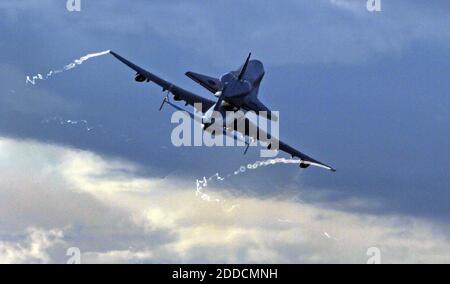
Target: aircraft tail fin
<point>244,67</point>
<point>210,83</point>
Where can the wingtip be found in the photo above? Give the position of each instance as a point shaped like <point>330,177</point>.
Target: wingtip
<point>117,56</point>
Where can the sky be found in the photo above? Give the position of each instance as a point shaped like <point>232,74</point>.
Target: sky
<point>86,159</point>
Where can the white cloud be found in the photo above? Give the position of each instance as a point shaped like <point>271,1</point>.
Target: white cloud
<point>307,32</point>
<point>33,249</point>
<point>310,32</point>
<point>113,215</point>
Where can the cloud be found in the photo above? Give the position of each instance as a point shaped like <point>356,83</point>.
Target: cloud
<point>33,249</point>
<point>53,198</point>
<point>307,32</point>
<point>299,31</point>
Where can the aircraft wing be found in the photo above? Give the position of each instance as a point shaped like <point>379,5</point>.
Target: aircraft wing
<point>305,160</point>
<point>178,93</point>
<point>256,105</point>
<point>211,84</point>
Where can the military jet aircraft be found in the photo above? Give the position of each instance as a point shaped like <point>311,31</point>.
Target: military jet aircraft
<point>236,90</point>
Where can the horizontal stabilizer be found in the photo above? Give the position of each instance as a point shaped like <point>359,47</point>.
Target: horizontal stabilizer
<point>211,84</point>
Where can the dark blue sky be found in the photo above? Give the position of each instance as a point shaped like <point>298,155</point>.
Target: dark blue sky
<point>365,92</point>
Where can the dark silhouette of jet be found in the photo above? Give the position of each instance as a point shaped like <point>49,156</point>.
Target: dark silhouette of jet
<point>236,90</point>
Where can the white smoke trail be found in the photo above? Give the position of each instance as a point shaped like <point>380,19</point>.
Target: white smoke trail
<point>204,182</point>
<point>83,124</point>
<point>70,122</point>
<point>265,163</point>
<point>32,79</point>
